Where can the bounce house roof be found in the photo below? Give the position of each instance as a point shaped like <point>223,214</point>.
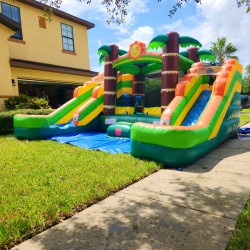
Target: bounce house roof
<point>146,63</point>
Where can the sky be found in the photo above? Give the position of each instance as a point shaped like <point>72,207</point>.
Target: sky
<point>148,18</point>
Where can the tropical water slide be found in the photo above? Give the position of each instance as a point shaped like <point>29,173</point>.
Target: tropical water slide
<point>196,121</point>
<point>77,115</point>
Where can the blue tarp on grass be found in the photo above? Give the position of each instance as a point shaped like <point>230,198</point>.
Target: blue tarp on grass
<point>96,141</point>
<point>244,133</point>
<point>113,145</point>
<point>244,130</point>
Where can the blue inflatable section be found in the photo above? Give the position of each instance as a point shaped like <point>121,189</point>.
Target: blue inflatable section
<point>195,112</point>
<point>96,141</point>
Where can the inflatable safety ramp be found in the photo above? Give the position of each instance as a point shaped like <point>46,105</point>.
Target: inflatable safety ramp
<point>77,115</point>
<point>179,141</point>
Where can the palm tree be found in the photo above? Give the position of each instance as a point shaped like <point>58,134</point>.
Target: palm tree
<point>222,50</point>
<point>195,54</point>
<point>170,60</point>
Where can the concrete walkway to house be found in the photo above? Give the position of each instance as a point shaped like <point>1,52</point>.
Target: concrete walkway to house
<point>196,208</point>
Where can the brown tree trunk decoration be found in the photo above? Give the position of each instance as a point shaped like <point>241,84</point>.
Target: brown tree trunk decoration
<point>110,82</point>
<point>138,86</point>
<point>192,54</point>
<point>139,90</point>
<point>170,66</point>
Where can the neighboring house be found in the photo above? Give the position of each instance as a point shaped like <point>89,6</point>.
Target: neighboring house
<point>39,55</point>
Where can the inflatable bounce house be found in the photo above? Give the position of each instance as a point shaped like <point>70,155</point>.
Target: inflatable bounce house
<point>196,114</point>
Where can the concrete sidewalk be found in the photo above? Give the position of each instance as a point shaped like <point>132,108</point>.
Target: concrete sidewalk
<point>196,208</point>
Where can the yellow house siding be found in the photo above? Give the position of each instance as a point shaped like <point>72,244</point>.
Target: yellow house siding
<point>6,88</point>
<point>45,45</point>
<point>39,61</point>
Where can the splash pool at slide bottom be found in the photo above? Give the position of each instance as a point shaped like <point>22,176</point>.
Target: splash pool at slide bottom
<point>96,141</point>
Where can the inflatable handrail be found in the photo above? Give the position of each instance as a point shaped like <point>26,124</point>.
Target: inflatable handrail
<point>182,89</point>
<point>97,92</point>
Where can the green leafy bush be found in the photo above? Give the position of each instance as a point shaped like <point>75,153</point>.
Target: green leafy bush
<point>13,101</point>
<point>25,102</point>
<point>6,118</point>
<point>152,93</point>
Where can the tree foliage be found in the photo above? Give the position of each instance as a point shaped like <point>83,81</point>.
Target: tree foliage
<point>117,9</point>
<point>245,3</point>
<point>246,82</point>
<point>152,93</point>
<point>223,50</point>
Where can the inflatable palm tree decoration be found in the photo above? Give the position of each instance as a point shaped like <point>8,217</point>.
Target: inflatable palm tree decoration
<point>104,50</point>
<point>196,54</point>
<point>108,53</point>
<point>170,60</point>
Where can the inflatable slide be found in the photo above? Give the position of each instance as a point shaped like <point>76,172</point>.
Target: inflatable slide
<point>196,120</point>
<point>77,115</point>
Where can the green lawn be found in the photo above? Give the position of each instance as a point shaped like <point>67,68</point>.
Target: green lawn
<point>246,110</point>
<point>240,239</point>
<point>43,182</point>
<point>244,119</point>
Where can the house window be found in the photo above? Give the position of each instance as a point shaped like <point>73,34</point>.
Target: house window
<point>13,13</point>
<point>67,37</point>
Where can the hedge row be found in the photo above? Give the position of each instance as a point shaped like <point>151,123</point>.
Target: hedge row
<point>6,118</point>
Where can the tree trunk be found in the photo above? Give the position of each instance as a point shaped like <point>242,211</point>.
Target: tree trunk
<point>192,54</point>
<point>170,66</point>
<point>110,82</point>
<point>139,90</point>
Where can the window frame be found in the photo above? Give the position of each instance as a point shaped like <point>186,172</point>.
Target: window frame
<point>68,38</point>
<point>18,37</point>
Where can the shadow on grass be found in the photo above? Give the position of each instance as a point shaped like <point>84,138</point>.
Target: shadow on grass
<point>180,213</point>
<point>193,209</point>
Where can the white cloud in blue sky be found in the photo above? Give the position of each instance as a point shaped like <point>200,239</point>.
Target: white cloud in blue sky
<point>148,18</point>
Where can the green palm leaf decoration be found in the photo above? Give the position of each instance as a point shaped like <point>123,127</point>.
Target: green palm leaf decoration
<point>101,58</point>
<point>122,52</point>
<point>158,42</point>
<point>103,51</point>
<point>205,55</point>
<point>184,53</point>
<point>186,41</point>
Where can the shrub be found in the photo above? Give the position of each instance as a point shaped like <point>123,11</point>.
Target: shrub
<point>25,102</point>
<point>13,101</point>
<point>152,93</point>
<point>6,118</point>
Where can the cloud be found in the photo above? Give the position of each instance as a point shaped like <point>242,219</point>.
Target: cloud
<point>96,12</point>
<point>215,19</point>
<point>206,22</point>
<point>224,19</point>
<point>74,7</point>
<point>143,34</point>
